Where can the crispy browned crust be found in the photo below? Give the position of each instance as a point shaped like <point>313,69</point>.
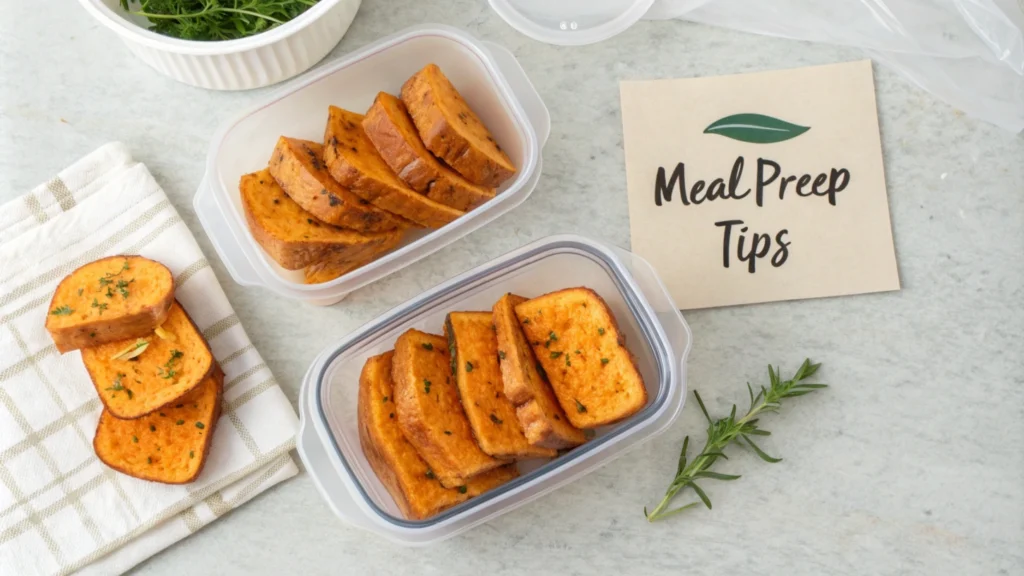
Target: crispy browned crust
<point>106,419</point>
<point>592,393</point>
<point>297,166</point>
<point>454,457</point>
<point>124,415</point>
<point>103,330</point>
<point>471,342</point>
<point>452,131</point>
<point>390,129</point>
<point>354,163</point>
<point>541,416</point>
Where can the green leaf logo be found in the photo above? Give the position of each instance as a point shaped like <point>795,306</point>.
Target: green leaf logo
<point>755,128</point>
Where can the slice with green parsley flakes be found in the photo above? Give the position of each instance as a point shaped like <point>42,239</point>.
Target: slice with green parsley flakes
<point>107,300</point>
<point>170,446</point>
<point>580,348</point>
<point>430,413</point>
<point>133,384</point>
<point>539,413</point>
<point>406,476</point>
<point>473,347</point>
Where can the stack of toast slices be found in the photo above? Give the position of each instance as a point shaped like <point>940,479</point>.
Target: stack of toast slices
<point>151,367</point>
<point>446,418</point>
<point>421,160</point>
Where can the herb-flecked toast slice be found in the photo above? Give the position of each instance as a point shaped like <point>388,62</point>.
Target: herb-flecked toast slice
<point>342,263</point>
<point>429,411</point>
<point>168,446</point>
<point>473,348</point>
<point>354,162</point>
<point>291,235</point>
<point>298,167</point>
<point>452,131</point>
<point>390,129</point>
<point>578,343</point>
<point>407,477</point>
<point>108,300</point>
<point>539,413</point>
<point>136,376</point>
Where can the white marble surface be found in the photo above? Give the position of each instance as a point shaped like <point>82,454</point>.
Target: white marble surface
<point>910,463</point>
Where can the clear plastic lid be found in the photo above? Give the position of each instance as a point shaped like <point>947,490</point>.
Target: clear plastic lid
<point>571,22</point>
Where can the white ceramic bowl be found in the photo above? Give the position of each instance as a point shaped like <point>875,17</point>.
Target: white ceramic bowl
<point>260,60</point>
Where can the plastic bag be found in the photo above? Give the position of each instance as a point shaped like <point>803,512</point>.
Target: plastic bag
<point>970,53</point>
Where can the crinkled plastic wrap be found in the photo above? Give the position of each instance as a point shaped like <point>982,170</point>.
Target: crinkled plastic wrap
<point>970,53</point>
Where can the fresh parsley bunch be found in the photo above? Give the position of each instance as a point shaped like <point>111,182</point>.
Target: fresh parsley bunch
<point>215,19</point>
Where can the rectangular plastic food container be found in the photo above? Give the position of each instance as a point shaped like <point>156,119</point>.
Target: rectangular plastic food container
<point>486,75</point>
<point>655,332</point>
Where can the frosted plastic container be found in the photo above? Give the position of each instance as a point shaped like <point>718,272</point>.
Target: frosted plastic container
<point>571,22</point>
<point>328,440</point>
<point>267,58</point>
<point>486,74</point>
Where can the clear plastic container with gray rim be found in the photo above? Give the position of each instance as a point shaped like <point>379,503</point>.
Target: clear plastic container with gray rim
<point>655,332</point>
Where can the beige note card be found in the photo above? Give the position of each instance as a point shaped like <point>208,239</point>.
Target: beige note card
<point>759,187</point>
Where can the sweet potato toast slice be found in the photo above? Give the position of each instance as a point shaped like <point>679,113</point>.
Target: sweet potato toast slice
<point>292,236</point>
<point>474,352</point>
<point>354,162</point>
<point>539,413</point>
<point>407,477</point>
<point>108,300</point>
<point>429,411</point>
<point>579,345</point>
<point>298,167</point>
<point>340,264</point>
<point>136,376</point>
<point>169,446</point>
<point>390,129</point>
<point>450,129</point>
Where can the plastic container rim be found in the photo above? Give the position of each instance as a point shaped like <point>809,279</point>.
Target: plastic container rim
<point>638,306</point>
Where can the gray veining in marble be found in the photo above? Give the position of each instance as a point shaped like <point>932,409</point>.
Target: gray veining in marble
<point>912,463</point>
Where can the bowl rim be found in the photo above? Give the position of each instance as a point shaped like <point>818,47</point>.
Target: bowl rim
<point>139,35</point>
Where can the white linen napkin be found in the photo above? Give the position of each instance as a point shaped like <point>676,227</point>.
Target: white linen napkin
<point>63,511</point>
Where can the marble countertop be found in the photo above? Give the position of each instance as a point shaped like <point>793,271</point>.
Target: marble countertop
<point>910,463</point>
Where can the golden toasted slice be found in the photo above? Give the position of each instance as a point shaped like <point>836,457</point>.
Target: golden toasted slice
<point>407,477</point>
<point>169,446</point>
<point>450,129</point>
<point>393,134</point>
<point>354,162</point>
<point>344,262</point>
<point>335,267</point>
<point>539,413</point>
<point>474,352</point>
<point>578,343</point>
<point>137,376</point>
<point>298,167</point>
<point>109,299</point>
<point>292,236</point>
<point>429,411</point>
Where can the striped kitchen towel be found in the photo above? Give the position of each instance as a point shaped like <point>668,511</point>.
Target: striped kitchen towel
<point>61,510</point>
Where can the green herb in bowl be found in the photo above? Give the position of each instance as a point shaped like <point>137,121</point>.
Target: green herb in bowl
<point>212,20</point>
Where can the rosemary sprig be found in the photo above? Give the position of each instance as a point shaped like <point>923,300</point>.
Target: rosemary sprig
<point>725,431</point>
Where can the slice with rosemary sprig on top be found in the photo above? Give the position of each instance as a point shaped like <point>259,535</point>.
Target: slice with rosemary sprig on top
<point>725,431</point>
<point>215,19</point>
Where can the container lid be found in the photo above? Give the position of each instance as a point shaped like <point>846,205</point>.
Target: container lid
<point>571,22</point>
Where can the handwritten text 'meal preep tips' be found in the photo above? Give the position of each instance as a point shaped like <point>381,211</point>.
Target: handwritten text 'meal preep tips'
<point>759,187</point>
